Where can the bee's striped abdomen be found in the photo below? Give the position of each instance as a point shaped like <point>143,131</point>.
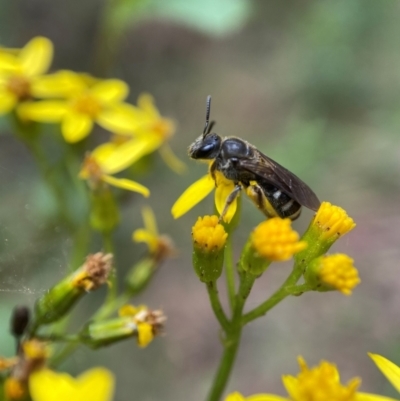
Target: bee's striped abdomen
<point>272,201</point>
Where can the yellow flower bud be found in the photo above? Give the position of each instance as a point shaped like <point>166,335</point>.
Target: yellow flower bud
<point>328,225</point>
<point>272,240</point>
<point>209,239</point>
<point>332,222</point>
<point>275,240</point>
<point>333,272</point>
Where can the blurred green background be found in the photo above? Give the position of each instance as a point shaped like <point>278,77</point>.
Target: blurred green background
<point>313,84</point>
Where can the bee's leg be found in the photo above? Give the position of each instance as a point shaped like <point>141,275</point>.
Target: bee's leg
<point>213,167</point>
<point>231,197</point>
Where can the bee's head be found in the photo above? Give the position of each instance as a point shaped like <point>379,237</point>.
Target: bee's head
<point>206,146</point>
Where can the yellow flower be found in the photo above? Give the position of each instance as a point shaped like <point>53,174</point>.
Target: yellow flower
<point>332,222</point>
<point>14,389</point>
<point>208,234</point>
<point>88,101</point>
<point>328,225</point>
<point>322,383</point>
<point>142,130</point>
<point>275,240</point>
<point>337,271</point>
<point>209,239</point>
<point>149,323</point>
<point>160,246</point>
<point>95,385</point>
<point>200,189</point>
<point>97,174</point>
<point>21,72</point>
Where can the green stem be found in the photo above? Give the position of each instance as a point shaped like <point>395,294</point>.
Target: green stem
<point>108,245</point>
<point>216,305</point>
<point>232,341</point>
<point>65,352</point>
<point>230,273</point>
<point>288,288</point>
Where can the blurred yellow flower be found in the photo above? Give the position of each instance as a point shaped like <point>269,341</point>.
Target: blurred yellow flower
<point>87,101</point>
<point>142,130</point>
<point>21,72</point>
<point>160,246</point>
<point>95,385</point>
<point>147,323</point>
<point>96,174</point>
<point>200,189</point>
<point>322,383</point>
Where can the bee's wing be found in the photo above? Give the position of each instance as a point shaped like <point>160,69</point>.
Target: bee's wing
<point>282,178</point>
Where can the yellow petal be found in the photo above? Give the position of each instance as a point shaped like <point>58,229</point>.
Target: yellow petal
<point>142,235</point>
<point>171,160</point>
<point>145,334</point>
<point>146,104</point>
<point>121,119</point>
<point>234,397</point>
<point>7,101</point>
<point>95,385</point>
<point>222,191</point>
<point>103,152</point>
<point>192,196</point>
<point>128,310</point>
<point>110,90</point>
<point>8,63</point>
<point>128,153</point>
<point>389,369</point>
<point>59,84</point>
<point>36,56</point>
<point>76,126</point>
<point>149,220</point>
<point>47,111</point>
<point>126,184</point>
<point>372,397</point>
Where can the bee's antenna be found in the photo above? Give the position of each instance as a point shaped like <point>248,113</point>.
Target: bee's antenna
<point>208,126</point>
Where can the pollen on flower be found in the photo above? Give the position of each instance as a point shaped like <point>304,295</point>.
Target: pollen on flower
<point>94,272</point>
<point>332,221</point>
<point>320,383</point>
<point>274,239</point>
<point>208,234</point>
<point>91,169</point>
<point>19,86</point>
<point>87,104</point>
<point>338,271</point>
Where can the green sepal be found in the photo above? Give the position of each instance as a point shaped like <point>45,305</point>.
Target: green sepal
<point>57,302</point>
<point>251,262</point>
<point>103,333</point>
<point>208,263</point>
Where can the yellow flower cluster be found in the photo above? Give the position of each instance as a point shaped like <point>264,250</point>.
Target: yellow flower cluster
<point>338,272</point>
<point>275,240</point>
<point>332,222</point>
<point>208,234</point>
<point>322,383</point>
<point>77,102</point>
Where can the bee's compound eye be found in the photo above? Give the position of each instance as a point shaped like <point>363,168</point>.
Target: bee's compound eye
<point>209,148</point>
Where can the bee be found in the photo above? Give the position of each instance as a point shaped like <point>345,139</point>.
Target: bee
<point>276,191</point>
